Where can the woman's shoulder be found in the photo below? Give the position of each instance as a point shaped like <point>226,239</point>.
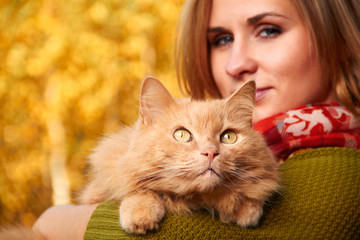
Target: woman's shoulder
<point>318,200</point>
<point>328,155</point>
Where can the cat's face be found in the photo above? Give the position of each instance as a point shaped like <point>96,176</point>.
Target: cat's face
<point>200,145</point>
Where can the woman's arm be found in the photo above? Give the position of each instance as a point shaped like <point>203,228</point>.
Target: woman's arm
<point>64,222</point>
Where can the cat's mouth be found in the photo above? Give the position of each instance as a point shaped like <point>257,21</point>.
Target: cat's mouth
<point>209,171</point>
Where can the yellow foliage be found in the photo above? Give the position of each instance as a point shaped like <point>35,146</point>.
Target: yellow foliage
<point>71,72</point>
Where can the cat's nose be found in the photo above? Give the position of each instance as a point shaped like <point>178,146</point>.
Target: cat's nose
<point>210,153</point>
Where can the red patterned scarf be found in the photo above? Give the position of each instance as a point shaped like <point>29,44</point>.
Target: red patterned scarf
<point>310,126</point>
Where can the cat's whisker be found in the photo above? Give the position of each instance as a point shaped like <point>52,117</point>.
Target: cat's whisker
<point>229,179</point>
<point>163,168</point>
<point>147,184</point>
<point>180,174</point>
<point>151,168</point>
<point>254,185</point>
<point>172,171</point>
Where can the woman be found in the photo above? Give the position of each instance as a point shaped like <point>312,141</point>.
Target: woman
<point>327,41</point>
<point>298,52</point>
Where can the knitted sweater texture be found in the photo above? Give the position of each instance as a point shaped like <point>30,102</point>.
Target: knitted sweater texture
<point>319,199</point>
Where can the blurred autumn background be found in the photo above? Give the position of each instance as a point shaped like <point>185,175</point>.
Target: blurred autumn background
<point>70,72</point>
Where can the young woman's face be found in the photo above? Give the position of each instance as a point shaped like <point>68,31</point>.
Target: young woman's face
<point>267,41</point>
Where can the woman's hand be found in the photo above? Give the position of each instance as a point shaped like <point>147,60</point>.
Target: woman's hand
<point>64,222</point>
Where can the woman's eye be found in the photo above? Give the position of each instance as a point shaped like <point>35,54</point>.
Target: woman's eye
<point>222,40</point>
<point>270,31</point>
<point>182,135</point>
<point>228,137</point>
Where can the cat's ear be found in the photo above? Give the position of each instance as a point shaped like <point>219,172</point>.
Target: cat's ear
<point>154,100</point>
<point>242,102</point>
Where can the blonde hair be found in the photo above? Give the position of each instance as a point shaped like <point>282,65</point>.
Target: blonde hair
<point>333,25</point>
<point>192,57</point>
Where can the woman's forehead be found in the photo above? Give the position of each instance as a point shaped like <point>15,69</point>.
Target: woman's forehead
<point>250,12</point>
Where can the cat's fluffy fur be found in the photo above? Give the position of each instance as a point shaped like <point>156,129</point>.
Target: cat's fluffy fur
<point>148,171</point>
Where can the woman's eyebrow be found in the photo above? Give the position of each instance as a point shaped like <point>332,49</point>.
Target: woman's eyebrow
<point>215,29</point>
<point>258,17</point>
<point>252,21</point>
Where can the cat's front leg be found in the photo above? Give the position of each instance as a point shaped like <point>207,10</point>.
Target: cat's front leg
<point>248,213</point>
<point>141,212</point>
<point>244,212</point>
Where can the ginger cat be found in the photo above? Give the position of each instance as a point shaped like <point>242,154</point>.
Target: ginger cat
<point>183,155</point>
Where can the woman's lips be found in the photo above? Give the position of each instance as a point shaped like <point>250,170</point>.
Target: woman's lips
<point>261,93</point>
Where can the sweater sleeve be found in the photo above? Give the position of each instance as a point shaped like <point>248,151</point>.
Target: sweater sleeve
<point>319,199</point>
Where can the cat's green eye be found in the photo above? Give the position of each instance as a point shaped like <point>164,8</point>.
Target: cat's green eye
<point>228,137</point>
<point>182,135</point>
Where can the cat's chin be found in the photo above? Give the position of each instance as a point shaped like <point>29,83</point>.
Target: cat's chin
<point>208,180</point>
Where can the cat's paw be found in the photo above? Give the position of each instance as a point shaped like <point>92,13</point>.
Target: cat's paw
<point>141,212</point>
<point>249,214</point>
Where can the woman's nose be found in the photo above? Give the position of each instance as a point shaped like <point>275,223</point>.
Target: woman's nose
<point>241,63</point>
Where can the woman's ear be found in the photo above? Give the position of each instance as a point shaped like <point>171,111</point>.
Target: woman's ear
<point>242,102</point>
<point>154,99</point>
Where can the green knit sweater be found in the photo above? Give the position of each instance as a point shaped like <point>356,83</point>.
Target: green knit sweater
<point>319,200</point>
